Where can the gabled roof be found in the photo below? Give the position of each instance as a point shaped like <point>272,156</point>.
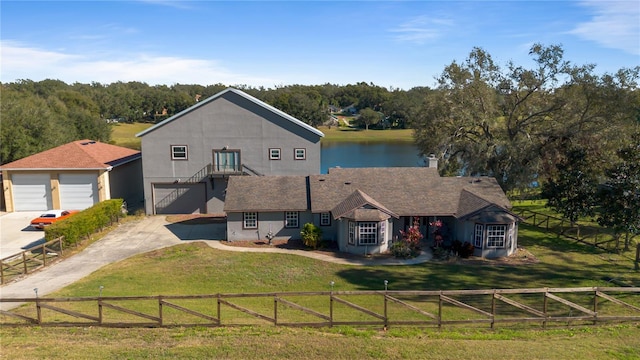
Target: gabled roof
<point>407,191</point>
<point>354,203</point>
<point>266,193</point>
<point>343,192</point>
<point>81,154</point>
<point>240,93</point>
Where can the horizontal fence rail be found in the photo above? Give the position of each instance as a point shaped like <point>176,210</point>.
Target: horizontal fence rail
<point>31,259</point>
<point>541,306</point>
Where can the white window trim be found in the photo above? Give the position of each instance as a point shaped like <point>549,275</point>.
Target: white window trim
<point>478,235</point>
<point>352,233</point>
<point>291,216</point>
<point>325,219</point>
<point>496,231</point>
<point>174,152</point>
<point>275,153</point>
<point>304,154</point>
<point>371,228</point>
<point>247,217</point>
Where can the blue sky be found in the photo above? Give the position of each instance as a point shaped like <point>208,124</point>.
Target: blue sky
<point>399,44</point>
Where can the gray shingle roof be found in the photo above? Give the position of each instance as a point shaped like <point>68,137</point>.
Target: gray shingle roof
<point>266,193</point>
<point>356,201</point>
<point>418,191</point>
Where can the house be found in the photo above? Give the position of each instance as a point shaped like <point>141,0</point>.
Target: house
<point>189,157</point>
<point>364,209</point>
<point>73,176</point>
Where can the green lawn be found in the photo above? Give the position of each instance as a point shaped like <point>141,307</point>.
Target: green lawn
<point>125,135</point>
<point>197,269</point>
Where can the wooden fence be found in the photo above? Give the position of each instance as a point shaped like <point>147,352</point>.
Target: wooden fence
<point>540,306</point>
<point>30,259</point>
<point>590,235</point>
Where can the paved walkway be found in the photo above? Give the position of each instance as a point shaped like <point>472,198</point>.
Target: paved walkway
<point>149,234</point>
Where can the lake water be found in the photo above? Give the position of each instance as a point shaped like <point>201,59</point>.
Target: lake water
<point>358,155</point>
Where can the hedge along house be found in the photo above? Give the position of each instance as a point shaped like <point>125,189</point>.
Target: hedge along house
<point>364,209</point>
<point>189,157</point>
<point>73,176</point>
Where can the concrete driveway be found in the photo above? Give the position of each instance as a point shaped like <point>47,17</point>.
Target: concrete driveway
<point>16,234</point>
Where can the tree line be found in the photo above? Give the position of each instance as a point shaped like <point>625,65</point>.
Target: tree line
<point>522,125</point>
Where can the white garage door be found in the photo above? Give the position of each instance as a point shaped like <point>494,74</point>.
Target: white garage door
<point>179,198</point>
<point>31,192</point>
<point>78,191</point>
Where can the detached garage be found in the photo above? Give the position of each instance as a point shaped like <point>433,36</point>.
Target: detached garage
<point>73,176</point>
<point>31,192</point>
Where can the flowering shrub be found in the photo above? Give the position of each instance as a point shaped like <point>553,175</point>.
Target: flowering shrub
<point>409,245</point>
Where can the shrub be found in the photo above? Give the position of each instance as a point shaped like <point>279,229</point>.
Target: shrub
<point>86,222</point>
<point>311,235</point>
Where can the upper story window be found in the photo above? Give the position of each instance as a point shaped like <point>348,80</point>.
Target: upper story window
<point>325,219</point>
<point>300,154</point>
<point>291,219</point>
<point>274,154</point>
<point>178,152</point>
<point>226,161</point>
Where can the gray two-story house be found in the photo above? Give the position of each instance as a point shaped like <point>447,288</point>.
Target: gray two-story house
<point>188,158</point>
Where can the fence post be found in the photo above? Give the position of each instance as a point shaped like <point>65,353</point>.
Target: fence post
<point>493,309</point>
<point>595,306</point>
<point>440,310</point>
<point>275,310</point>
<point>544,309</point>
<point>44,255</point>
<point>331,309</point>
<point>638,257</point>
<point>24,262</point>
<point>1,272</point>
<point>160,320</point>
<point>219,318</point>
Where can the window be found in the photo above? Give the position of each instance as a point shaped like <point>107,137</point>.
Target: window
<point>367,233</point>
<point>325,219</point>
<point>178,152</point>
<point>383,235</point>
<point>478,236</point>
<point>300,154</point>
<point>291,219</point>
<point>250,220</point>
<point>496,235</point>
<point>274,154</point>
<point>352,233</point>
<point>226,161</point>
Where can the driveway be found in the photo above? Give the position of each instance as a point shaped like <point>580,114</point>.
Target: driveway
<point>129,239</point>
<point>16,234</point>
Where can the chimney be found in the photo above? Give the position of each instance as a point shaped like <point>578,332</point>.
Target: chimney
<point>432,161</point>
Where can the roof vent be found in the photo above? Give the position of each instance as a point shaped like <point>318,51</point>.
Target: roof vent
<point>321,179</point>
<point>88,143</point>
<point>347,182</point>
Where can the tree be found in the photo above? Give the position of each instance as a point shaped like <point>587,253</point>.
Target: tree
<point>512,124</point>
<point>573,191</point>
<point>620,196</point>
<point>368,117</point>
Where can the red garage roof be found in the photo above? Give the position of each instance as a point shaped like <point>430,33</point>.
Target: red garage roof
<point>81,154</point>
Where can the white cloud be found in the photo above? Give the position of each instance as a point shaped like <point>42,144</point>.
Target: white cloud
<point>421,29</point>
<point>615,24</point>
<point>22,62</point>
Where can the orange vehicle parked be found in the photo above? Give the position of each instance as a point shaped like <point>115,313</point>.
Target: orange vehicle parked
<point>50,217</point>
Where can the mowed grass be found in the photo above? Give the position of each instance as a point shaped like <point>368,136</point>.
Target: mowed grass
<point>124,134</point>
<point>194,268</point>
